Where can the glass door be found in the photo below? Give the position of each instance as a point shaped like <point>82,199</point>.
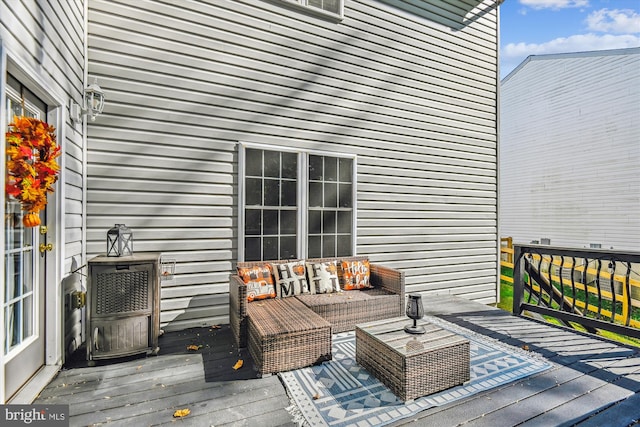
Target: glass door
<point>24,285</point>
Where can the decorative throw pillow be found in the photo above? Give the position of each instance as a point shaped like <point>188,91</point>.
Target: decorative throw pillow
<point>356,274</point>
<point>291,279</point>
<point>259,282</point>
<point>323,277</point>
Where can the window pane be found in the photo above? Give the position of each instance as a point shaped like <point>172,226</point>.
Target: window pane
<point>288,248</point>
<point>290,165</point>
<point>27,320</point>
<point>315,194</point>
<point>344,221</point>
<point>270,249</point>
<point>253,165</point>
<point>272,164</point>
<point>252,248</point>
<point>315,246</point>
<point>345,170</point>
<point>270,223</point>
<point>252,222</point>
<point>332,6</point>
<point>288,223</point>
<point>315,168</point>
<point>330,195</point>
<point>271,192</point>
<point>253,191</point>
<point>315,222</point>
<point>328,246</point>
<point>329,222</point>
<point>330,168</point>
<point>288,189</point>
<point>346,196</point>
<point>344,245</point>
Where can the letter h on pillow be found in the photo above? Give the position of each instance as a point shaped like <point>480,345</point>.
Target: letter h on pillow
<point>290,279</point>
<point>356,274</point>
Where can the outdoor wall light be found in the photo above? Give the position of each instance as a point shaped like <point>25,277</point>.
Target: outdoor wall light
<point>415,311</point>
<point>93,101</point>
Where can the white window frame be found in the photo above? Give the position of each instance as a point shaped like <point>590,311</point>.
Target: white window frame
<point>302,205</point>
<point>304,5</point>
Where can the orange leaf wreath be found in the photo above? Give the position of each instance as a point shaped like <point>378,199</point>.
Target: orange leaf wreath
<point>32,169</point>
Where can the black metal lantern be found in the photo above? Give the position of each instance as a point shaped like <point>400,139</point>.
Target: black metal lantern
<point>119,241</point>
<point>415,311</point>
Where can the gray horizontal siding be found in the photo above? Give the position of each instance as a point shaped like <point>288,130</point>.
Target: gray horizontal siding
<point>47,37</point>
<point>572,122</point>
<point>415,100</point>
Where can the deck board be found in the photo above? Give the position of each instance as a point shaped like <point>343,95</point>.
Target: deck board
<point>593,381</point>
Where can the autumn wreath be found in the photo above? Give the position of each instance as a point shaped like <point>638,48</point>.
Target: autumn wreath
<point>32,168</point>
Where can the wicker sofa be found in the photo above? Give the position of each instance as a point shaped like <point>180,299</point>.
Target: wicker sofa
<point>278,344</point>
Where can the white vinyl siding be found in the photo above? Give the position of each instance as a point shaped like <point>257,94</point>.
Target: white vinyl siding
<point>570,150</point>
<point>413,99</point>
<point>44,46</point>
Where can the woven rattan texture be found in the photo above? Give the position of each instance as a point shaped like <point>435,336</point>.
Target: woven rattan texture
<point>425,364</point>
<point>346,309</point>
<point>286,335</point>
<point>388,284</point>
<point>122,292</point>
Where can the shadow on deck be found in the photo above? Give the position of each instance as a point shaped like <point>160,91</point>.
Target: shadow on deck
<point>593,382</point>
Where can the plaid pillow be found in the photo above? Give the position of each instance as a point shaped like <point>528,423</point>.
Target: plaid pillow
<point>259,282</point>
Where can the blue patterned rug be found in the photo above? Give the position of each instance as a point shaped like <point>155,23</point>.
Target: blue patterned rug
<point>341,393</point>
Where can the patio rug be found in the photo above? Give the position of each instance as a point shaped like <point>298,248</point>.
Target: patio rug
<point>341,393</point>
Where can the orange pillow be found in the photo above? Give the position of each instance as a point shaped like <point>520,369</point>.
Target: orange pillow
<point>356,275</point>
<point>259,282</point>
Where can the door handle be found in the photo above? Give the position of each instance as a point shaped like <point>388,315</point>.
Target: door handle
<point>47,247</point>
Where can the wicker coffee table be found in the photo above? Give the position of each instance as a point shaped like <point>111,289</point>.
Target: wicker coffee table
<point>412,365</point>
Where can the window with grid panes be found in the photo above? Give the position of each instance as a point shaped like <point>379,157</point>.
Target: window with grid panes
<point>296,205</point>
<point>330,6</point>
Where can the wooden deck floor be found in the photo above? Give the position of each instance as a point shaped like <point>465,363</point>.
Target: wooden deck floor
<point>594,382</point>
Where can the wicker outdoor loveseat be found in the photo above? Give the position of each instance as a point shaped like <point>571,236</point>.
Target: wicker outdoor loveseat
<point>287,329</point>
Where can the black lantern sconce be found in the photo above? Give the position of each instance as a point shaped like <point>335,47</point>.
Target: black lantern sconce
<point>119,241</point>
<point>415,311</point>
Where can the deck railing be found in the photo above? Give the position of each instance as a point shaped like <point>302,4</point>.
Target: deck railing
<point>597,289</point>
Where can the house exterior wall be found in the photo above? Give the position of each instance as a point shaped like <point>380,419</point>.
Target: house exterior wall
<point>42,45</point>
<point>570,150</point>
<point>413,98</point>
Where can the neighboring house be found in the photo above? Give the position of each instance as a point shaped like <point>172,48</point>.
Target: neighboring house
<point>570,150</point>
<point>235,130</point>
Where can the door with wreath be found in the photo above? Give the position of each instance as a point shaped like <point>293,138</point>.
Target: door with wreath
<point>31,171</point>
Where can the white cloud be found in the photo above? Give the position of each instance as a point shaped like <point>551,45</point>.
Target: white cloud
<point>512,54</point>
<point>554,4</point>
<point>575,43</point>
<point>614,21</point>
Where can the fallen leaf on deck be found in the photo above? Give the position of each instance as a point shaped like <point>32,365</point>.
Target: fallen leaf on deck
<point>525,347</point>
<point>181,413</point>
<point>215,327</point>
<point>316,396</point>
<point>194,347</point>
<point>238,364</point>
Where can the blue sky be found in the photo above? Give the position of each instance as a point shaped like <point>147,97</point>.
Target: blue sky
<point>538,27</point>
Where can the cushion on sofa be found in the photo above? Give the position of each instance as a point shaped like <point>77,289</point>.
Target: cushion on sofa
<point>259,282</point>
<point>355,275</point>
<point>323,277</point>
<point>290,278</point>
